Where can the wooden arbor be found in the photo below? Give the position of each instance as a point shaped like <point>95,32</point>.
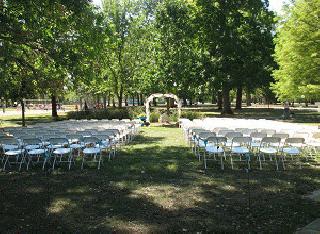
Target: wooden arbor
<point>159,95</point>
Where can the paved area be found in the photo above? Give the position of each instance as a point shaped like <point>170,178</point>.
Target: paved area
<point>312,228</point>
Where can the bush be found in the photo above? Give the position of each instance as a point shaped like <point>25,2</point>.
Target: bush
<point>154,117</point>
<point>112,113</point>
<point>109,113</point>
<point>192,115</point>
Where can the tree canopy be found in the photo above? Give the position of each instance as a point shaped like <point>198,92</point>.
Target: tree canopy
<point>297,52</point>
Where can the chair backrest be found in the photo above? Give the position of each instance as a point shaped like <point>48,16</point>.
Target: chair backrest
<point>269,132</point>
<point>296,141</point>
<point>258,135</point>
<point>91,140</point>
<point>271,141</point>
<point>242,140</point>
<point>206,134</point>
<point>74,138</point>
<point>9,141</point>
<point>216,140</point>
<point>27,137</point>
<point>231,135</point>
<point>84,133</point>
<point>248,131</point>
<point>59,141</point>
<point>32,141</point>
<point>224,132</point>
<point>102,137</point>
<point>283,136</point>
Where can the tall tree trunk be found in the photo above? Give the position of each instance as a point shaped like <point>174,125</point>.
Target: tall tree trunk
<point>126,101</point>
<point>113,102</point>
<point>213,98</point>
<point>109,98</point>
<point>226,99</point>
<point>133,100</point>
<point>98,99</point>
<point>120,100</point>
<point>190,101</point>
<point>81,103</point>
<point>239,98</point>
<point>104,102</point>
<point>168,104</point>
<point>138,100</point>
<point>54,106</point>
<point>141,100</point>
<point>219,99</point>
<point>23,112</point>
<point>248,98</point>
<point>184,102</point>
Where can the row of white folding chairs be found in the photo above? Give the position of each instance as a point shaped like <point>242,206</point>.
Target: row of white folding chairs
<point>242,149</point>
<point>194,136</point>
<point>58,149</point>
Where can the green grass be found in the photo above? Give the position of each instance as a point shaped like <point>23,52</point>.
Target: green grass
<point>15,120</point>
<point>157,185</point>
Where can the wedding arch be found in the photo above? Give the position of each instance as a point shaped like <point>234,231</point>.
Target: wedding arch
<point>160,95</point>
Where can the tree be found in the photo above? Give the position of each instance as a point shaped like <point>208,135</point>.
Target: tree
<point>297,52</point>
<point>232,33</point>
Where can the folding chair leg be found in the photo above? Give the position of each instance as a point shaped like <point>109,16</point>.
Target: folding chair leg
<point>221,162</point>
<point>260,163</point>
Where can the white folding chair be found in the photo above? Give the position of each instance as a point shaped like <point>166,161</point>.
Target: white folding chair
<point>240,147</point>
<point>92,150</point>
<point>293,147</point>
<point>12,150</point>
<point>214,147</point>
<point>35,151</point>
<point>269,146</point>
<point>61,151</point>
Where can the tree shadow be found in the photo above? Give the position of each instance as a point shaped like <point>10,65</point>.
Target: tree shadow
<point>156,189</point>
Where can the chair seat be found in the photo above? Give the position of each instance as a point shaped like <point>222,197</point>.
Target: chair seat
<point>214,150</point>
<point>291,150</point>
<point>76,146</point>
<point>14,152</point>
<point>268,150</point>
<point>202,144</point>
<point>10,147</point>
<point>54,146</point>
<point>91,150</point>
<point>240,150</point>
<point>61,151</point>
<point>37,151</point>
<point>31,147</point>
<point>255,144</point>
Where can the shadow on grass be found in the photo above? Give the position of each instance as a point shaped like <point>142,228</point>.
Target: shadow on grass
<point>156,189</point>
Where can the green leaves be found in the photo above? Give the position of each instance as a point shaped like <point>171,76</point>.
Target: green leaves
<point>297,52</point>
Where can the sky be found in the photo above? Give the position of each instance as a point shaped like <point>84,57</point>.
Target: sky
<point>275,5</point>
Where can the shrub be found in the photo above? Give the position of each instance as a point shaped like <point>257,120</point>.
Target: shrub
<point>112,113</point>
<point>154,117</point>
<point>192,115</point>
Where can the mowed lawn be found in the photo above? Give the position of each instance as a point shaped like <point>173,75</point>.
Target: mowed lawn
<point>157,185</point>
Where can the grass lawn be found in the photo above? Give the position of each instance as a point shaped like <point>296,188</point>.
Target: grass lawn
<point>157,185</point>
<point>15,120</point>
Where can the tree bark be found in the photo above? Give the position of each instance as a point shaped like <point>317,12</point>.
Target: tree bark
<point>185,102</point>
<point>113,102</point>
<point>138,100</point>
<point>190,101</point>
<point>109,99</point>
<point>226,99</point>
<point>248,98</point>
<point>219,97</point>
<point>213,98</point>
<point>120,97</point>
<point>239,98</point>
<point>126,101</point>
<point>141,100</point>
<point>54,106</point>
<point>133,100</point>
<point>104,102</point>
<point>23,113</point>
